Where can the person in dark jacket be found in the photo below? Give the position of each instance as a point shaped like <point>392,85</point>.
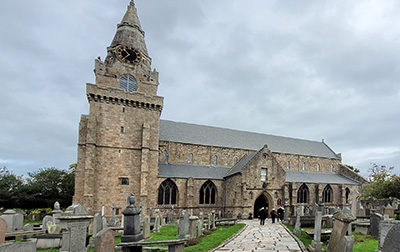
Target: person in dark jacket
<point>263,215</point>
<point>273,215</point>
<point>281,213</point>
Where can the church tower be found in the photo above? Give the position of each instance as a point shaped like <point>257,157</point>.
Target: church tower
<point>118,139</point>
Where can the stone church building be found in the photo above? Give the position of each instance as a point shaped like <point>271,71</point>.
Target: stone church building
<point>125,147</point>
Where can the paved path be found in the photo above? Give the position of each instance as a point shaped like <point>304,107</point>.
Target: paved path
<point>256,238</point>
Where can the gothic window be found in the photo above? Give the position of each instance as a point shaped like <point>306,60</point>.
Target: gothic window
<point>327,194</point>
<point>191,158</point>
<point>164,155</point>
<point>167,193</point>
<point>302,194</point>
<point>215,160</point>
<point>208,193</point>
<point>263,174</point>
<point>128,83</point>
<point>347,195</point>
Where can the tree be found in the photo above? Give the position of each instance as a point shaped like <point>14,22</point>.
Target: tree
<point>382,184</point>
<point>353,168</point>
<point>10,186</point>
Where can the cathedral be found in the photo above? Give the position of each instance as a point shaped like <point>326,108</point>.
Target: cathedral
<point>125,147</point>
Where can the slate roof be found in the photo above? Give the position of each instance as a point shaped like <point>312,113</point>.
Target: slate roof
<point>178,170</point>
<point>318,177</point>
<point>240,165</point>
<point>221,137</point>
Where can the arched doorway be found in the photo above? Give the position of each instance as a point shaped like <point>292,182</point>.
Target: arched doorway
<point>261,201</point>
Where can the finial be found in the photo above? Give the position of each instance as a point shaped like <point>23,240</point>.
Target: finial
<point>131,200</point>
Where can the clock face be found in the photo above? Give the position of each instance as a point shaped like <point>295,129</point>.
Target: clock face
<point>128,54</point>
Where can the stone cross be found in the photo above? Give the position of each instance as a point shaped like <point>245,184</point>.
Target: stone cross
<point>340,228</point>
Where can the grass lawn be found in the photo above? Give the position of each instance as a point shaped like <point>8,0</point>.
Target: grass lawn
<point>169,232</point>
<point>362,243</point>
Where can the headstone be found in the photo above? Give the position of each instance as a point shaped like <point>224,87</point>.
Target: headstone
<point>213,219</point>
<point>113,222</point>
<point>340,228</point>
<point>193,226</point>
<point>28,227</point>
<point>97,223</point>
<point>104,241</point>
<point>316,244</point>
<point>8,216</point>
<point>3,230</point>
<point>27,246</point>
<point>201,220</point>
<point>375,220</point>
<point>307,211</point>
<point>191,212</point>
<point>384,228</point>
<point>219,214</point>
<point>46,219</point>
<point>346,244</point>
<point>146,227</point>
<point>300,210</point>
<point>209,221</point>
<point>103,222</point>
<point>151,213</point>
<point>329,221</point>
<point>157,224</point>
<point>391,242</point>
<point>199,229</point>
<point>183,227</point>
<point>347,210</point>
<point>76,209</point>
<point>389,210</point>
<point>132,230</point>
<point>18,222</point>
<point>297,230</point>
<point>361,212</point>
<point>53,228</point>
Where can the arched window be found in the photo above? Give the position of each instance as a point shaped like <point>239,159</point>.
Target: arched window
<point>128,83</point>
<point>288,165</point>
<point>327,194</point>
<point>304,166</point>
<point>191,158</point>
<point>215,160</point>
<point>167,193</point>
<point>236,160</point>
<point>302,194</point>
<point>347,193</point>
<point>332,168</point>
<point>208,193</point>
<point>164,155</point>
<point>318,167</point>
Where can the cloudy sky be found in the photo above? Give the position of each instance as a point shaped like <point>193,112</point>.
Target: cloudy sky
<point>305,69</point>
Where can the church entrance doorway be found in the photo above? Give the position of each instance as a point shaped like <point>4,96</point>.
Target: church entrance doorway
<point>261,201</point>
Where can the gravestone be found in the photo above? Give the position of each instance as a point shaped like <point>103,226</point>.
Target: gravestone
<point>97,224</point>
<point>46,220</point>
<point>183,227</point>
<point>18,222</point>
<point>361,212</point>
<point>53,228</point>
<point>384,228</point>
<point>8,216</point>
<point>201,220</point>
<point>307,211</point>
<point>193,226</point>
<point>199,229</point>
<point>27,246</point>
<point>209,221</point>
<point>391,242</point>
<point>56,212</point>
<point>132,230</point>
<point>340,228</point>
<point>346,244</point>
<point>213,219</point>
<point>3,230</point>
<point>316,244</point>
<point>113,222</point>
<point>146,227</point>
<point>157,224</point>
<point>186,222</point>
<point>375,220</point>
<point>28,227</point>
<point>389,210</point>
<point>104,241</point>
<point>297,226</point>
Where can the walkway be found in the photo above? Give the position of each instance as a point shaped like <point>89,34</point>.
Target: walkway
<point>256,238</point>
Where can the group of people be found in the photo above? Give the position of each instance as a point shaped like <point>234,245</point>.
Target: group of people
<point>275,214</point>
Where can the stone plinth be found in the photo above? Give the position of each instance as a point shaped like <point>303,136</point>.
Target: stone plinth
<point>132,232</point>
<point>74,232</point>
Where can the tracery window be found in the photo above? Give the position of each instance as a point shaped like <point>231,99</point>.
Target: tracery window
<point>302,194</point>
<point>327,194</point>
<point>263,174</point>
<point>208,193</point>
<point>167,193</point>
<point>128,83</point>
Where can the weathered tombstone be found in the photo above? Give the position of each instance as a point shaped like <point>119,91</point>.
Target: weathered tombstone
<point>18,222</point>
<point>27,246</point>
<point>74,224</point>
<point>97,223</point>
<point>219,214</point>
<point>329,221</point>
<point>113,222</point>
<point>213,219</point>
<point>182,234</point>
<point>104,241</point>
<point>307,211</point>
<point>389,210</point>
<point>53,228</point>
<point>297,230</point>
<point>346,244</point>
<point>361,212</point>
<point>46,220</point>
<point>191,212</point>
<point>199,229</point>
<point>8,216</point>
<point>151,213</point>
<point>3,230</point>
<point>193,226</point>
<point>316,244</point>
<point>347,210</point>
<point>146,227</point>
<point>384,228</point>
<point>300,210</point>
<point>375,220</point>
<point>102,210</point>
<point>340,228</point>
<point>391,242</point>
<point>132,222</point>
<point>27,227</point>
<point>201,220</point>
<point>185,223</point>
<point>209,221</point>
<point>157,224</point>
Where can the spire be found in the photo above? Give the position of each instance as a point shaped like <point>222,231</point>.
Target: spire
<point>129,31</point>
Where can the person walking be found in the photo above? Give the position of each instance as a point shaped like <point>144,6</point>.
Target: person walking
<point>263,216</point>
<point>273,215</point>
<point>281,213</point>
